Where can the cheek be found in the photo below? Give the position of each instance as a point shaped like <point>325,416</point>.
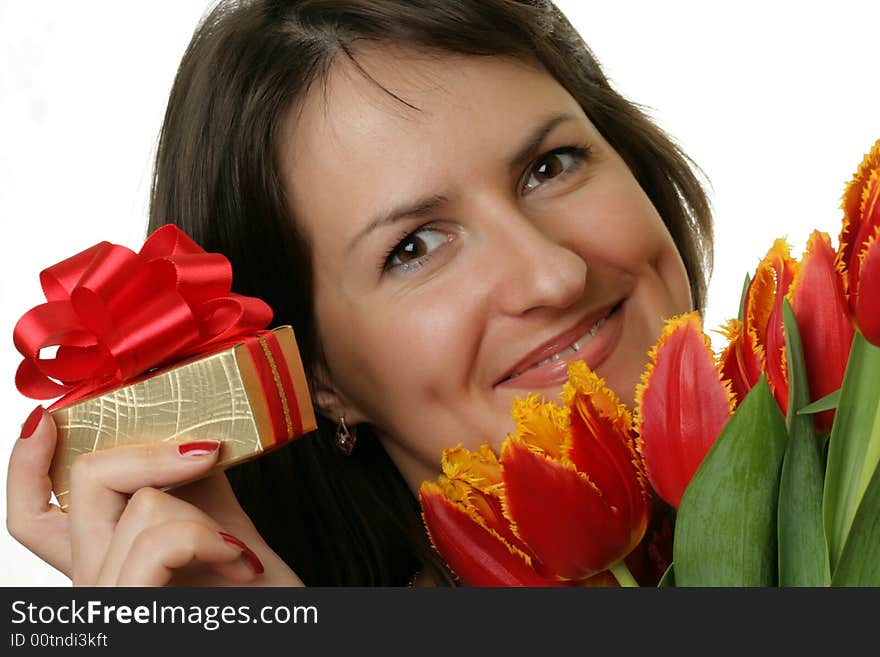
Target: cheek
<point>626,232</point>
<point>626,226</point>
<point>385,354</point>
<point>673,274</point>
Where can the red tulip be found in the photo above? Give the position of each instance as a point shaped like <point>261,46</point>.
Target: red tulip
<point>820,308</point>
<point>763,317</point>
<point>740,361</point>
<point>858,255</point>
<point>815,289</point>
<point>465,519</point>
<point>682,404</point>
<point>566,501</point>
<point>757,344</point>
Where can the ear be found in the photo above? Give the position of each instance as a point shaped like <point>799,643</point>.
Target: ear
<point>331,403</point>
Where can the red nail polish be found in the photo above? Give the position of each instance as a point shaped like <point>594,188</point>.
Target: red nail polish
<point>198,448</point>
<point>246,552</point>
<point>33,421</point>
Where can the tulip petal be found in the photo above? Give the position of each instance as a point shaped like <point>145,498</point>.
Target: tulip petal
<point>739,363</point>
<point>602,443</point>
<point>476,554</point>
<point>861,215</point>
<point>682,405</point>
<point>542,425</point>
<point>820,307</point>
<point>479,469</point>
<point>763,319</point>
<point>472,480</point>
<point>574,530</point>
<point>867,303</point>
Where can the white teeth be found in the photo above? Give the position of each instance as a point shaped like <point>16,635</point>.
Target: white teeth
<point>573,348</point>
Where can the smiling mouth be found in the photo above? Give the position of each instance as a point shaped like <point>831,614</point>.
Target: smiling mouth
<point>568,352</point>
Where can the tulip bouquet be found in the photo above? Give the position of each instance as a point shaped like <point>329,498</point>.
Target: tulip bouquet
<point>765,456</point>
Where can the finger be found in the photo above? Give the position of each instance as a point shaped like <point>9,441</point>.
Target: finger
<point>101,482</point>
<point>213,495</point>
<point>31,518</point>
<point>159,550</point>
<point>211,501</point>
<point>147,508</point>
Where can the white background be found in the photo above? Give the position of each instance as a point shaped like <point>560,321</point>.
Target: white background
<point>776,101</point>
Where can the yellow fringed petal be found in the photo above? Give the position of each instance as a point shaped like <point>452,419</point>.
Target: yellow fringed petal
<point>471,480</point>
<point>870,244</point>
<point>542,425</point>
<point>583,381</point>
<point>763,288</point>
<point>738,362</point>
<point>763,316</point>
<point>440,490</point>
<point>853,201</point>
<point>869,209</point>
<point>480,469</point>
<point>469,477</point>
<point>853,233</point>
<point>730,330</point>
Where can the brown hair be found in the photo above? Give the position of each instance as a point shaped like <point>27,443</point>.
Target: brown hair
<point>340,520</point>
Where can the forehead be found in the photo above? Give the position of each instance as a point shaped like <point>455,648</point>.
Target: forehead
<point>400,121</point>
<point>392,86</point>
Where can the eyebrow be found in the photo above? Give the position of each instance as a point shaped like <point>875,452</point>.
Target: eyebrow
<point>531,146</point>
<point>432,202</point>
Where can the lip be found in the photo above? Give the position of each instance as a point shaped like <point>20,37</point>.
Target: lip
<point>555,373</point>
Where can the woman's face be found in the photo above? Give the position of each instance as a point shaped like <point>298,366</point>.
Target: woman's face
<point>464,252</point>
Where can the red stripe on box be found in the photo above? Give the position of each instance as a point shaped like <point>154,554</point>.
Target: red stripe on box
<point>292,415</point>
<point>280,398</point>
<point>267,385</point>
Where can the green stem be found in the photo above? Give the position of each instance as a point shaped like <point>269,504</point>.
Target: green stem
<point>621,572</point>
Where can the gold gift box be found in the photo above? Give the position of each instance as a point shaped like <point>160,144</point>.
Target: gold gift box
<point>231,396</point>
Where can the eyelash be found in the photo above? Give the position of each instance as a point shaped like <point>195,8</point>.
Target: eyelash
<point>409,266</point>
<point>580,153</point>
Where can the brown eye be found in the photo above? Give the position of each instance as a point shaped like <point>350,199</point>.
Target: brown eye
<point>552,165</point>
<point>411,248</point>
<point>415,247</point>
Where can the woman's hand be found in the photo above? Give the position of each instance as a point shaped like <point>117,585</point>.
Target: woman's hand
<point>121,530</point>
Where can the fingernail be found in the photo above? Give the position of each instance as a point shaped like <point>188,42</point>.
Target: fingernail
<point>246,552</point>
<point>198,448</point>
<point>33,421</point>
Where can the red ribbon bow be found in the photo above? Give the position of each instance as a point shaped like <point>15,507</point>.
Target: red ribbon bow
<point>115,314</point>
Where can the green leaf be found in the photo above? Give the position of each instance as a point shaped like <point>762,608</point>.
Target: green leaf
<point>827,403</point>
<point>859,563</point>
<point>803,552</point>
<point>742,298</point>
<point>668,579</point>
<point>854,445</point>
<point>725,531</point>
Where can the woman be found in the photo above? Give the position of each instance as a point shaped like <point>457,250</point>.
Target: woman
<point>448,202</point>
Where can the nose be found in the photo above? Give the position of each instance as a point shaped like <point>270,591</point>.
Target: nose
<point>529,264</point>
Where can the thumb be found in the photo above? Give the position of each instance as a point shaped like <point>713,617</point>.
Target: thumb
<point>31,518</point>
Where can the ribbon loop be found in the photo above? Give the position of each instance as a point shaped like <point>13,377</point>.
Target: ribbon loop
<point>115,314</point>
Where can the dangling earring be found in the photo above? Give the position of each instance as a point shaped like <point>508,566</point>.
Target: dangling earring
<point>345,439</point>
